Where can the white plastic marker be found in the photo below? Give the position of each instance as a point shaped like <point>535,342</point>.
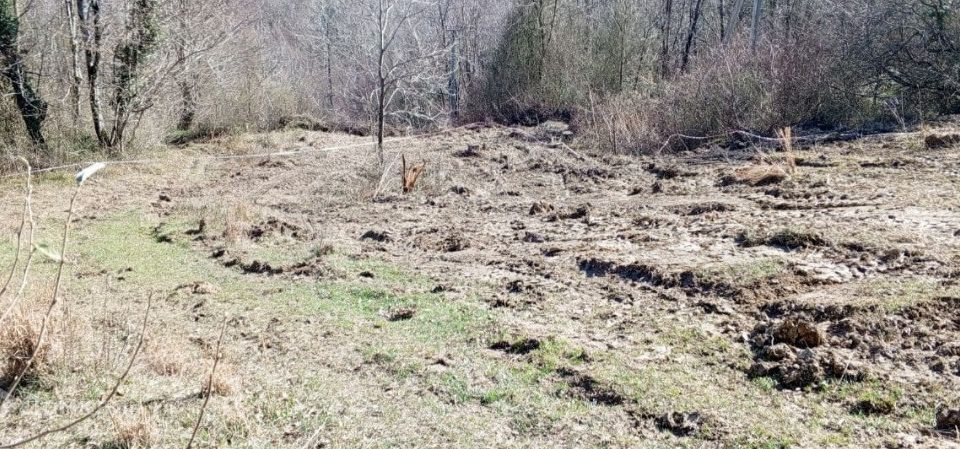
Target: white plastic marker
<point>86,173</point>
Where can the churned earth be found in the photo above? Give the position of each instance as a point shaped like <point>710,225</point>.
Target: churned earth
<point>527,293</point>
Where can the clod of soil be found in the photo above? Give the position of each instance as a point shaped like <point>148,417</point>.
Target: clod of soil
<point>667,171</point>
<point>400,314</point>
<point>756,175</point>
<point>799,333</point>
<point>274,226</point>
<point>787,239</point>
<point>533,237</point>
<point>199,288</point>
<point>875,405</point>
<point>254,267</point>
<point>581,211</point>
<point>704,208</point>
<point>377,236</point>
<point>797,369</point>
<point>454,243</point>
<point>680,424</point>
<point>541,207</point>
<point>522,346</point>
<point>587,388</point>
<point>948,419</point>
<point>938,141</point>
<point>470,151</point>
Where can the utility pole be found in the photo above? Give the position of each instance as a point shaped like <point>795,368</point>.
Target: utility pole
<point>453,88</point>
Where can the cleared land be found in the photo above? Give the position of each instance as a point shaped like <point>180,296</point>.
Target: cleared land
<point>524,295</point>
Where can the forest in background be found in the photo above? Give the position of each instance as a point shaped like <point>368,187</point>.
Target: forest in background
<point>82,76</point>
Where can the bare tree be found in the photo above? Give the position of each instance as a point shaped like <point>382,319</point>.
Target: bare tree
<point>399,57</point>
<point>691,34</point>
<point>32,108</point>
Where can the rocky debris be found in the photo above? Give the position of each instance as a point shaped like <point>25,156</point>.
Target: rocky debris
<point>756,175</point>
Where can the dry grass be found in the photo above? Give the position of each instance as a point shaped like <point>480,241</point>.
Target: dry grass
<point>223,383</point>
<point>786,138</point>
<point>239,218</point>
<point>18,344</point>
<point>167,356</point>
<point>132,430</point>
<point>758,175</point>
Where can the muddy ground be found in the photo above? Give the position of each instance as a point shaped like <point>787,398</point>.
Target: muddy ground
<point>695,303</point>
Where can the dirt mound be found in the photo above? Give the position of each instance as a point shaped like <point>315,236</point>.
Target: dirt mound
<point>521,346</point>
<point>788,239</point>
<point>704,208</point>
<point>938,141</point>
<point>585,387</point>
<point>376,236</point>
<point>434,240</point>
<point>799,333</point>
<point>276,227</point>
<point>681,424</point>
<point>948,419</point>
<point>541,207</point>
<point>803,344</point>
<point>666,171</point>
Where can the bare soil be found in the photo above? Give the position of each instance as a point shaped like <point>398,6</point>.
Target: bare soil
<point>812,309</point>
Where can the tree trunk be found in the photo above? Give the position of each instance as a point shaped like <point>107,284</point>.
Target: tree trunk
<point>32,108</point>
<point>129,55</point>
<point>755,24</point>
<point>733,20</point>
<point>76,72</point>
<point>188,104</point>
<point>665,48</point>
<point>381,78</point>
<point>88,11</point>
<point>691,35</point>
